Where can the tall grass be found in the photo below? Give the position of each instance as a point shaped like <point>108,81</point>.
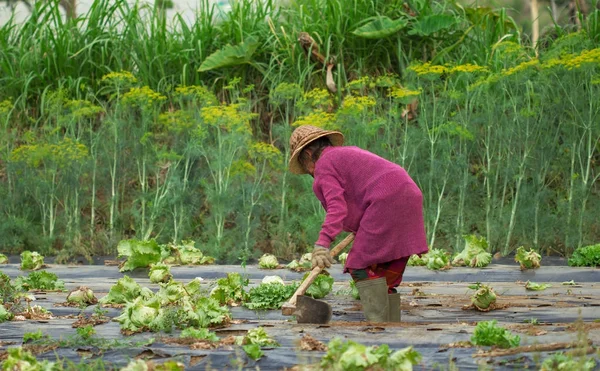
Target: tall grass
<point>109,131</point>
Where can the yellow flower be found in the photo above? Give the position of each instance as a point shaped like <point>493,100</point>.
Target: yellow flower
<point>508,47</point>
<point>143,97</point>
<point>118,78</point>
<point>62,154</point>
<point>83,109</point>
<point>360,83</point>
<point>319,119</point>
<point>399,92</point>
<point>354,105</point>
<point>468,68</point>
<point>264,151</point>
<point>317,98</point>
<point>428,69</point>
<point>387,81</point>
<point>196,93</point>
<point>176,121</point>
<point>521,67</point>
<point>5,106</point>
<point>242,168</point>
<point>227,117</point>
<point>285,92</point>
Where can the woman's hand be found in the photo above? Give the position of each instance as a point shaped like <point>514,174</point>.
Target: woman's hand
<point>321,257</point>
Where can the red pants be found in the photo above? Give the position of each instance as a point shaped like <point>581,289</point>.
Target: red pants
<point>392,271</point>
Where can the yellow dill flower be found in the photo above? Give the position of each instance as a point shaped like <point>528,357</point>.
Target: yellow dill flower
<point>428,69</point>
<point>227,117</point>
<point>5,106</point>
<point>242,168</point>
<point>118,78</point>
<point>196,93</point>
<point>143,97</point>
<point>596,80</point>
<point>81,109</point>
<point>399,92</point>
<point>387,81</point>
<point>176,121</point>
<point>62,154</point>
<point>359,83</point>
<point>317,98</point>
<point>508,47</point>
<point>586,57</point>
<point>356,105</point>
<point>261,150</point>
<point>484,81</point>
<point>285,92</point>
<point>468,68</point>
<point>521,67</point>
<point>319,119</point>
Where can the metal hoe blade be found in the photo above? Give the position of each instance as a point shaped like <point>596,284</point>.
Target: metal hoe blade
<point>309,310</point>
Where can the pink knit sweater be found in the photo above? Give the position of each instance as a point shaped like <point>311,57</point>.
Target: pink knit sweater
<point>374,198</point>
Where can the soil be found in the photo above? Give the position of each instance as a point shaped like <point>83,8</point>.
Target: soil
<point>433,319</point>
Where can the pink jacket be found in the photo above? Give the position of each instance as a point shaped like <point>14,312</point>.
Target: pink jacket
<point>374,198</point>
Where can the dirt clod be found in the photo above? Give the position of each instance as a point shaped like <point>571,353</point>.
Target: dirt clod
<point>309,343</point>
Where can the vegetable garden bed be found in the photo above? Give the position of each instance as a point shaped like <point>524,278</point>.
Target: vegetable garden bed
<point>434,320</point>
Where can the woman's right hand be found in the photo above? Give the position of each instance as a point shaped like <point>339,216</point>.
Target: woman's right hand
<point>321,257</point>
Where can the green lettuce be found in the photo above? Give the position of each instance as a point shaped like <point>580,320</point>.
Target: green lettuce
<point>474,254</point>
<point>253,351</point>
<point>159,273</point>
<point>437,259</point>
<point>171,293</point>
<point>187,254</point>
<point>3,259</point>
<point>483,297</point>
<point>563,362</point>
<point>142,314</point>
<point>230,290</point>
<point>268,261</point>
<point>140,254</point>
<point>272,279</point>
<point>41,280</point>
<point>349,355</point>
<point>320,287</point>
<point>125,290</point>
<point>528,259</point>
<point>22,360</point>
<point>417,261</point>
<point>82,296</point>
<point>587,256</point>
<point>31,260</point>
<point>536,286</point>
<point>343,257</point>
<point>4,314</point>
<point>204,312</point>
<point>259,337</point>
<point>354,290</point>
<point>269,295</point>
<point>487,333</point>
<point>201,333</point>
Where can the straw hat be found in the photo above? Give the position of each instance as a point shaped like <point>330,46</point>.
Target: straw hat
<point>302,136</point>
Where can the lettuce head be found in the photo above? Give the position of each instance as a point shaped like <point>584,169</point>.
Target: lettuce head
<point>528,259</point>
<point>31,260</point>
<point>268,261</point>
<point>126,289</point>
<point>159,272</point>
<point>82,296</point>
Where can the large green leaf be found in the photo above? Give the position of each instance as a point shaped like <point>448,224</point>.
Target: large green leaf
<point>230,55</point>
<point>380,28</point>
<point>431,24</point>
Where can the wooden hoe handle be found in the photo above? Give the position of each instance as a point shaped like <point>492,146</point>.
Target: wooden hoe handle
<point>291,304</point>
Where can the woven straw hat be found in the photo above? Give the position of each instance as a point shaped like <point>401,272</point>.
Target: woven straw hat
<point>305,134</point>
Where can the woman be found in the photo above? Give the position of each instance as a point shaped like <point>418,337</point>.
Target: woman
<point>371,197</point>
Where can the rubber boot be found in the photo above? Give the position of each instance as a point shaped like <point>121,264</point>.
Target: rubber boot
<point>394,307</point>
<point>374,299</point>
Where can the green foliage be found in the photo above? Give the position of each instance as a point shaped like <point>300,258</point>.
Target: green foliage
<point>536,286</point>
<point>230,289</point>
<point>20,359</point>
<point>8,291</point>
<point>562,362</point>
<point>82,296</point>
<point>268,261</point>
<point>32,336</point>
<point>487,333</point>
<point>86,332</point>
<point>483,297</point>
<point>474,254</point>
<point>528,259</point>
<point>253,351</point>
<point>3,259</point>
<point>125,290</point>
<point>269,295</point>
<point>354,290</point>
<point>259,337</point>
<point>587,256</point>
<point>4,314</point>
<point>159,273</point>
<point>140,254</point>
<point>321,286</point>
<point>349,355</point>
<point>380,27</point>
<point>31,260</point>
<point>141,315</point>
<point>436,259</point>
<point>343,257</point>
<point>230,55</point>
<point>201,333</point>
<point>41,280</point>
<point>187,254</point>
